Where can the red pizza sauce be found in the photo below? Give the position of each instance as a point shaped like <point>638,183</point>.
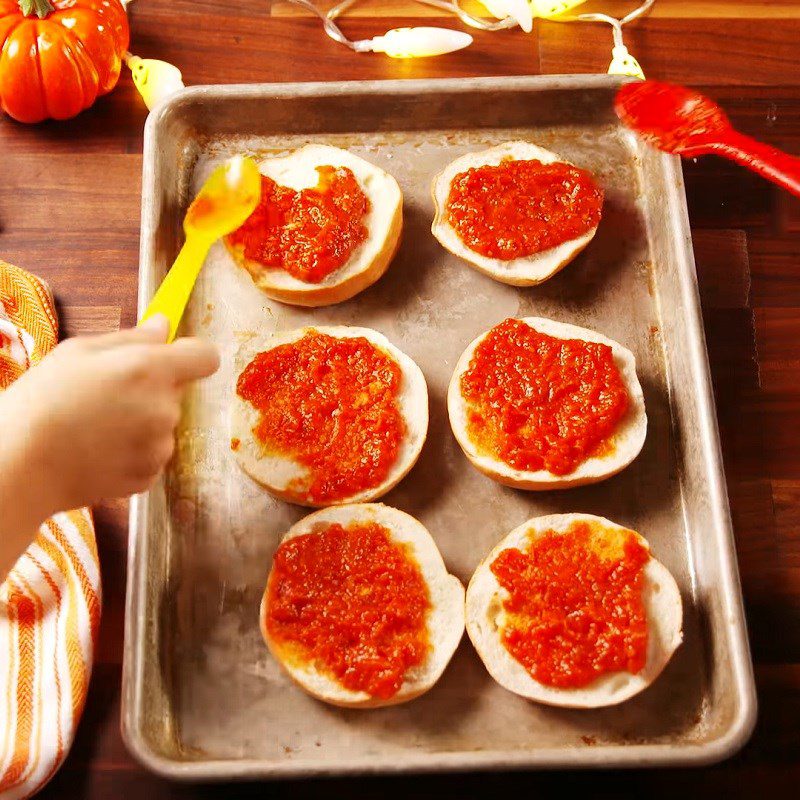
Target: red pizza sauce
<point>538,402</point>
<point>575,609</point>
<point>310,233</point>
<point>331,404</point>
<point>352,601</point>
<point>517,208</point>
<point>201,209</point>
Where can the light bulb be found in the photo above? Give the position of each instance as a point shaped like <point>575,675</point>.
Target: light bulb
<point>417,42</point>
<point>154,79</point>
<point>519,10</point>
<point>552,8</point>
<point>623,63</point>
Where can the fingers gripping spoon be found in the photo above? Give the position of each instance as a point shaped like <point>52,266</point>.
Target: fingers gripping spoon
<point>679,120</point>
<point>225,201</point>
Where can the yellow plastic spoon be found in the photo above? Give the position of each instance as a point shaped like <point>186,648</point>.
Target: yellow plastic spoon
<point>226,200</point>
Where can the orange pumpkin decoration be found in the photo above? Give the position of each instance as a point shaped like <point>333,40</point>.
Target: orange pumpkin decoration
<point>58,56</point>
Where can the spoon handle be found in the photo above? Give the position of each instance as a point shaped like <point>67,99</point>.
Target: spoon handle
<point>176,288</point>
<point>767,161</point>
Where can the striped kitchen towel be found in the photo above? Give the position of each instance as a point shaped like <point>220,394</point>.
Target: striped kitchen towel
<point>50,601</point>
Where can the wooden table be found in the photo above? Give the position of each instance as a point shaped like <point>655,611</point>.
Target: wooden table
<point>69,210</point>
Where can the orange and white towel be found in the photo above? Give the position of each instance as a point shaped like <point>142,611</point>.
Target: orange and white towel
<point>50,601</point>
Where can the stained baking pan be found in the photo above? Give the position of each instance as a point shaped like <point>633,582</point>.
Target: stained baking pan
<point>201,696</point>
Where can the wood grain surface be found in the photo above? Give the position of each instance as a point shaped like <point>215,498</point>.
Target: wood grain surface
<point>69,210</point>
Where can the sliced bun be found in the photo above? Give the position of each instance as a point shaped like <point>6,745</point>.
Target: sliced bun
<point>445,619</point>
<point>627,441</point>
<point>275,472</point>
<point>485,597</point>
<point>368,262</point>
<point>525,271</point>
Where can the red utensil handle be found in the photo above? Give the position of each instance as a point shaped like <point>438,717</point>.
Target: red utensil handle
<point>768,161</point>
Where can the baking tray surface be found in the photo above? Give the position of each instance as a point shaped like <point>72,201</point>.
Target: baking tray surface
<point>202,698</point>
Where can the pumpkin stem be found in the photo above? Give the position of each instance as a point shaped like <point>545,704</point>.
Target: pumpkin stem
<point>42,8</point>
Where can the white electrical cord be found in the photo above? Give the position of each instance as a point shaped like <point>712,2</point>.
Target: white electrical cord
<point>616,24</point>
<point>331,28</point>
<point>444,5</point>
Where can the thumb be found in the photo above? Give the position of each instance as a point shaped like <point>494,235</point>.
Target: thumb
<point>154,329</point>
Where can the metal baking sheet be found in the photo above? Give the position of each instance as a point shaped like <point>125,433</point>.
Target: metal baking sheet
<point>202,697</point>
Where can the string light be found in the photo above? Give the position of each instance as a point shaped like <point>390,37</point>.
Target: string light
<point>509,14</point>
<point>155,80</point>
<point>550,8</point>
<point>623,63</point>
<point>398,42</point>
<point>416,42</point>
<point>502,9</point>
<point>521,11</point>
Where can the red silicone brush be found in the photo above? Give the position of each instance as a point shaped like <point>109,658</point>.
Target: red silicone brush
<point>679,120</point>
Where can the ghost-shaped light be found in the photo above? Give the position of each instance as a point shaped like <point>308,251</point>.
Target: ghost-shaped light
<point>623,63</point>
<point>154,79</point>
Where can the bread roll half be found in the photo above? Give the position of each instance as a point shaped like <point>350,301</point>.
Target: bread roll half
<point>445,618</point>
<point>485,614</point>
<point>627,439</point>
<point>525,271</point>
<point>280,473</point>
<point>384,222</point>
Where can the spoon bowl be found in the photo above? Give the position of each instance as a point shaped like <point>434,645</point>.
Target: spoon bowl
<point>679,120</point>
<point>226,199</point>
<point>672,118</point>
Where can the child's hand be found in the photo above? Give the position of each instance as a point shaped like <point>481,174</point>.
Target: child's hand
<point>96,419</point>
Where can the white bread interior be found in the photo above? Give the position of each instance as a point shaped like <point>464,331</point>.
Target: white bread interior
<point>523,271</point>
<point>485,596</point>
<point>383,220</point>
<point>275,471</point>
<point>628,439</point>
<point>445,620</point>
